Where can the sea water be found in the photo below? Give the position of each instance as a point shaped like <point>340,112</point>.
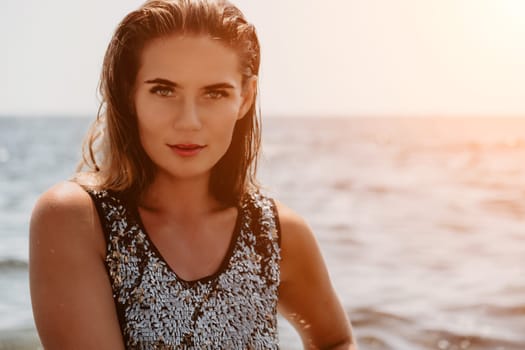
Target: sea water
<point>420,220</point>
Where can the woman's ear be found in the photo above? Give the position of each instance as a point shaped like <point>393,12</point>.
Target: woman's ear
<point>248,95</point>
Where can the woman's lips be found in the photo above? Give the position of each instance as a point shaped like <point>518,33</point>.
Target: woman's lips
<point>186,149</point>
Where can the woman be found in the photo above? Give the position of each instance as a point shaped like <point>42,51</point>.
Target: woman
<point>166,241</point>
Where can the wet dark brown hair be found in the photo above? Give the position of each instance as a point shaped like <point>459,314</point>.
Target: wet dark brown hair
<point>112,151</point>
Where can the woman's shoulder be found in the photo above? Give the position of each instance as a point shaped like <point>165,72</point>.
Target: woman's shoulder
<point>64,214</point>
<point>68,279</point>
<point>289,220</point>
<point>293,225</point>
<point>298,242</point>
<point>67,197</point>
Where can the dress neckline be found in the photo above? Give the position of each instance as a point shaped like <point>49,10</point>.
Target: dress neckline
<point>205,279</point>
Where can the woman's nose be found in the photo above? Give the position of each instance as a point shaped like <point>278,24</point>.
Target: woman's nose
<point>188,116</point>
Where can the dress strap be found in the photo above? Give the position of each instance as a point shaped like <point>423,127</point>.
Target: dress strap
<point>263,222</point>
<point>109,209</point>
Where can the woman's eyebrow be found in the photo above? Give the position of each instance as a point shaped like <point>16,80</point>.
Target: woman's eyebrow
<point>219,86</point>
<point>173,84</point>
<point>162,81</point>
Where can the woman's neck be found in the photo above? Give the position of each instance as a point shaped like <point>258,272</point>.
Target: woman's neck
<point>180,198</point>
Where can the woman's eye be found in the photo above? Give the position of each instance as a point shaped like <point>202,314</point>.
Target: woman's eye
<point>216,94</point>
<point>162,91</point>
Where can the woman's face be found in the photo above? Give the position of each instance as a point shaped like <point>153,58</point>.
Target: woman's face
<point>188,96</point>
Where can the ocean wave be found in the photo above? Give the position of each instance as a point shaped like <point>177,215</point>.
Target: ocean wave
<point>385,330</point>
<point>457,227</point>
<point>381,330</point>
<point>447,340</point>
<point>4,155</point>
<point>13,264</point>
<point>342,185</point>
<point>368,316</point>
<point>512,310</point>
<point>491,309</point>
<point>513,207</point>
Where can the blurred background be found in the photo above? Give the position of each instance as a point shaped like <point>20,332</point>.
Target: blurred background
<point>396,128</point>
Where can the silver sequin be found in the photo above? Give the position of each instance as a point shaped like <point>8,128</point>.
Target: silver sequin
<point>237,309</point>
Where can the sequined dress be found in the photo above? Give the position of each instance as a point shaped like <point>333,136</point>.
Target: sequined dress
<point>235,308</point>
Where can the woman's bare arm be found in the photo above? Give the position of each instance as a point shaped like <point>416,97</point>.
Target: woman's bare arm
<point>70,289</point>
<point>306,296</point>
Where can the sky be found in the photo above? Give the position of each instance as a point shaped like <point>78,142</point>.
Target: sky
<point>319,58</point>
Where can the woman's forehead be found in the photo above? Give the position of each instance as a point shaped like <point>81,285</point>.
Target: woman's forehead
<point>189,58</point>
